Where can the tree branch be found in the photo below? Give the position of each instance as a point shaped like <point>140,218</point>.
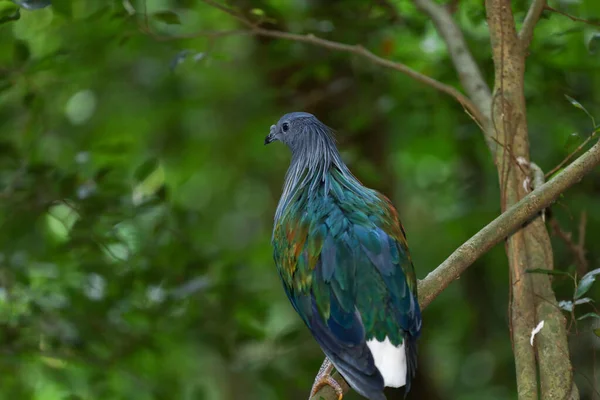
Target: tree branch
<point>571,17</point>
<point>359,50</point>
<point>468,71</point>
<point>509,221</point>
<point>568,158</point>
<point>531,19</point>
<point>577,249</point>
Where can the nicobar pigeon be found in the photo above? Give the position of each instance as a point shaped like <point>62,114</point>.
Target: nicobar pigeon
<point>343,259</point>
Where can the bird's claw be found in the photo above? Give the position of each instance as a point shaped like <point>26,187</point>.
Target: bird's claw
<point>327,380</point>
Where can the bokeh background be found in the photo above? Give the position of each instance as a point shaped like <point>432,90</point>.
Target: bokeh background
<point>137,198</point>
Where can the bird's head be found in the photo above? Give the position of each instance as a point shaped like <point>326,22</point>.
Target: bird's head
<point>297,130</point>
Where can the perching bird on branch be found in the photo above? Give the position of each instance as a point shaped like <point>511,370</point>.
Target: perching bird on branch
<point>343,259</point>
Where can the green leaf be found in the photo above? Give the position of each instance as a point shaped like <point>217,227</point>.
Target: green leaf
<point>8,12</point>
<point>597,332</point>
<point>145,169</point>
<point>577,104</point>
<point>588,315</point>
<point>60,220</point>
<point>583,301</point>
<point>546,271</point>
<point>586,283</point>
<point>168,17</point>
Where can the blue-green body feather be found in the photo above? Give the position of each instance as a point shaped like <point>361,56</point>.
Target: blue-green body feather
<point>343,259</point>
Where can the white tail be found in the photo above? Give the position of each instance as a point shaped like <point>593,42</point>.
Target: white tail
<point>390,360</point>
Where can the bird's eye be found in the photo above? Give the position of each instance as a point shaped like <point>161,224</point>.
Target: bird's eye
<point>285,126</point>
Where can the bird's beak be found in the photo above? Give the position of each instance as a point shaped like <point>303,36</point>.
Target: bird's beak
<point>271,137</point>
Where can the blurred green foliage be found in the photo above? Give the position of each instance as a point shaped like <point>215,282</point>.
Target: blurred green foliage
<point>136,197</point>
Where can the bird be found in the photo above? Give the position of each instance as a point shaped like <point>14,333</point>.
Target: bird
<point>343,259</point>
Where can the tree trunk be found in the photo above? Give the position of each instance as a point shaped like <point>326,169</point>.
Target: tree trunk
<point>532,298</point>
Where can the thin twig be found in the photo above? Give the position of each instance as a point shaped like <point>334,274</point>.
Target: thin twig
<point>360,50</point>
<point>577,249</point>
<point>254,29</point>
<point>570,156</point>
<point>470,107</point>
<point>587,378</point>
<point>582,225</point>
<point>231,12</point>
<point>519,162</point>
<point>531,19</point>
<point>468,71</point>
<point>571,17</point>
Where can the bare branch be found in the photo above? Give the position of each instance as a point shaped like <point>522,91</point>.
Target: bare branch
<point>571,17</point>
<point>230,11</point>
<point>570,156</point>
<point>577,249</point>
<point>582,225</point>
<point>359,50</point>
<point>509,221</point>
<point>469,73</point>
<point>531,19</point>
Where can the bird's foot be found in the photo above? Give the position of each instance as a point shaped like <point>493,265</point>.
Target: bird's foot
<point>324,378</point>
<point>327,381</point>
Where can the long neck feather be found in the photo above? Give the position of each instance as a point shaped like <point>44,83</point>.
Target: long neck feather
<point>315,162</point>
